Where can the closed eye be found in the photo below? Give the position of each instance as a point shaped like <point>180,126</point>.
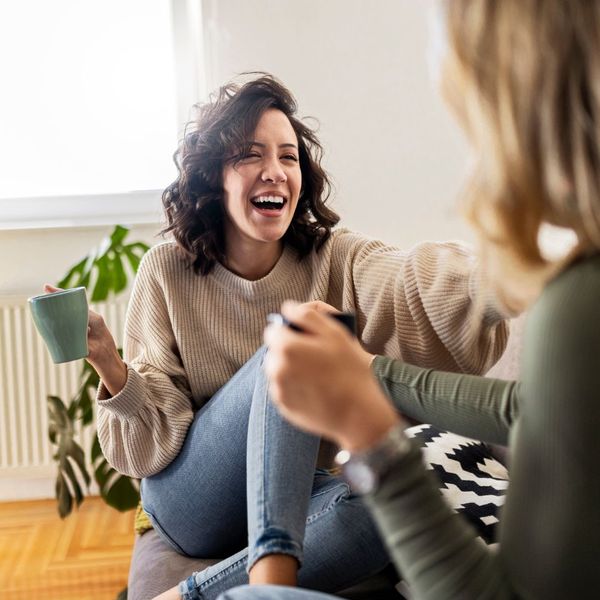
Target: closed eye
<point>290,157</point>
<point>250,155</point>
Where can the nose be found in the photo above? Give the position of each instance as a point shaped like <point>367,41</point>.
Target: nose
<point>273,173</point>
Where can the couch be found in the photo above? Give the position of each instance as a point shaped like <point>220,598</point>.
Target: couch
<point>155,567</point>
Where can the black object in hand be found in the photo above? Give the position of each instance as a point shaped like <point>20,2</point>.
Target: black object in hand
<point>345,318</point>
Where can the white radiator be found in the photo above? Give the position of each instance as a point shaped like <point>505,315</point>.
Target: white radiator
<point>27,377</point>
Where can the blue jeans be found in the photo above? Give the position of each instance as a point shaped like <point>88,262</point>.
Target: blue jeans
<point>272,592</point>
<point>245,476</point>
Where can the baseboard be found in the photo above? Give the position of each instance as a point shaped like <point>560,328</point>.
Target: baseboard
<point>31,483</point>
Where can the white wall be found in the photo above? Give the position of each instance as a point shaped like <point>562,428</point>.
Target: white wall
<point>360,67</point>
<point>30,258</point>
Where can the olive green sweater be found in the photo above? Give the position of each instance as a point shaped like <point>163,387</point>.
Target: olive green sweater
<point>550,525</point>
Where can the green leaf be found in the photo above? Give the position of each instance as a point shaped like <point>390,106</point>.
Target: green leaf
<point>139,247</point>
<point>118,235</point>
<point>96,450</point>
<point>63,495</point>
<point>85,406</point>
<point>122,494</point>
<point>69,453</point>
<point>57,411</point>
<point>133,258</point>
<point>84,400</point>
<point>73,276</point>
<point>85,281</point>
<point>122,595</point>
<point>103,284</point>
<point>119,491</point>
<point>119,274</point>
<point>90,261</point>
<point>70,473</point>
<point>72,410</point>
<point>76,453</point>
<point>104,247</point>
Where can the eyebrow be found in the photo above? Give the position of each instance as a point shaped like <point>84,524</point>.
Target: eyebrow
<point>260,145</point>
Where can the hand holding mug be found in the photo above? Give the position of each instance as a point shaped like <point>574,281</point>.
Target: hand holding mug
<point>102,353</point>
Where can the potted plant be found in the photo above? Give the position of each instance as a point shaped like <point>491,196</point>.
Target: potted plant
<point>105,272</point>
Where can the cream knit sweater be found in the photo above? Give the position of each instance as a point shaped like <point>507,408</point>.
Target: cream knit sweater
<point>186,334</point>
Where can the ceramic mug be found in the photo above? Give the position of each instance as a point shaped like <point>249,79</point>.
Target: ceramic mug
<point>62,320</point>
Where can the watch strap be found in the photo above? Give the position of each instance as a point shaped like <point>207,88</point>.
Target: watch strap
<point>364,469</point>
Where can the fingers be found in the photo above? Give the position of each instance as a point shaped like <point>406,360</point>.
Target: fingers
<point>288,349</point>
<point>284,340</point>
<point>310,319</point>
<point>95,321</point>
<point>321,307</point>
<point>50,289</point>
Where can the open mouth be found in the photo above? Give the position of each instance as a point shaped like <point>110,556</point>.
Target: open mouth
<point>273,203</point>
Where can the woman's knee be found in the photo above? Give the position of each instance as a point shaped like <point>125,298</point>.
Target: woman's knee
<point>200,538</point>
<point>205,526</point>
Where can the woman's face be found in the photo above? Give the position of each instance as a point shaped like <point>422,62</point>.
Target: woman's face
<point>261,191</point>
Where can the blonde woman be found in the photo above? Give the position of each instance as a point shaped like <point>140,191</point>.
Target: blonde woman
<point>522,77</point>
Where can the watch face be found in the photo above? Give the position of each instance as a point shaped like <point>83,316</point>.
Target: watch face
<point>360,476</point>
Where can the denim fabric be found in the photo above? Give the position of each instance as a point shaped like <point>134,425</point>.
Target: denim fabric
<point>245,477</point>
<point>280,466</point>
<point>341,547</point>
<point>272,592</point>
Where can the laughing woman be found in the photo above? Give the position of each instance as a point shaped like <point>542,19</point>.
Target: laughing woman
<point>188,410</point>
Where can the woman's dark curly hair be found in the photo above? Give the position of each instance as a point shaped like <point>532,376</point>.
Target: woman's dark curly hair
<point>221,133</point>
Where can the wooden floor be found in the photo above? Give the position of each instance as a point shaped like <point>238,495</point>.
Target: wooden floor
<point>84,557</point>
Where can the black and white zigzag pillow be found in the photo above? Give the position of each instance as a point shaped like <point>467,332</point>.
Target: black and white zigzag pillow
<point>473,482</point>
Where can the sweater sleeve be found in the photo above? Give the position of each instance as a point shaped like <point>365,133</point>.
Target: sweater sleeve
<point>475,407</point>
<point>550,529</point>
<point>422,305</point>
<point>142,428</point>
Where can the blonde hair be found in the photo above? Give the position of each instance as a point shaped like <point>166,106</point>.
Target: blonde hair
<point>523,78</point>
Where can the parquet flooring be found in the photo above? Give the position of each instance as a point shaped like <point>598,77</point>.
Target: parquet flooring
<point>84,557</point>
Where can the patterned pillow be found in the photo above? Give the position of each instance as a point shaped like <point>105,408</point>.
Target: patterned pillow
<point>473,482</point>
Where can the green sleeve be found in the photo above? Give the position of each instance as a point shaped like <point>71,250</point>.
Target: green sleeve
<point>468,405</point>
<point>550,525</point>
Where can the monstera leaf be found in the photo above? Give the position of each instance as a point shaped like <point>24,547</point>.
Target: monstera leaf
<point>119,491</point>
<point>103,270</point>
<point>69,455</point>
<point>82,406</point>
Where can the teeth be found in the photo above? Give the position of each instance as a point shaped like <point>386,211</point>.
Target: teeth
<point>271,199</point>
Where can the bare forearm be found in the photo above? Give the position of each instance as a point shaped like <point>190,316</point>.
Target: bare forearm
<point>112,371</point>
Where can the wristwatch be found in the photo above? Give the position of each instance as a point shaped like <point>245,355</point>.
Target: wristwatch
<point>363,470</point>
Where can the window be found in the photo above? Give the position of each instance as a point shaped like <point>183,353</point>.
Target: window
<point>91,106</point>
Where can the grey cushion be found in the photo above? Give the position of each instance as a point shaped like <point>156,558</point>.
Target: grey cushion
<point>155,567</point>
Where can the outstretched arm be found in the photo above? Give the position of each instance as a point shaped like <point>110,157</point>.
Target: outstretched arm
<point>425,305</point>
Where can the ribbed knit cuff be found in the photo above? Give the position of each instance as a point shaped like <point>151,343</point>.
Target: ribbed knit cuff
<point>129,400</point>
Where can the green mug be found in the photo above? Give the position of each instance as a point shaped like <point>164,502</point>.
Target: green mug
<point>62,320</point>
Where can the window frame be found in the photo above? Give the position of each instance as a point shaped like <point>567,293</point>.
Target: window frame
<point>138,206</point>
